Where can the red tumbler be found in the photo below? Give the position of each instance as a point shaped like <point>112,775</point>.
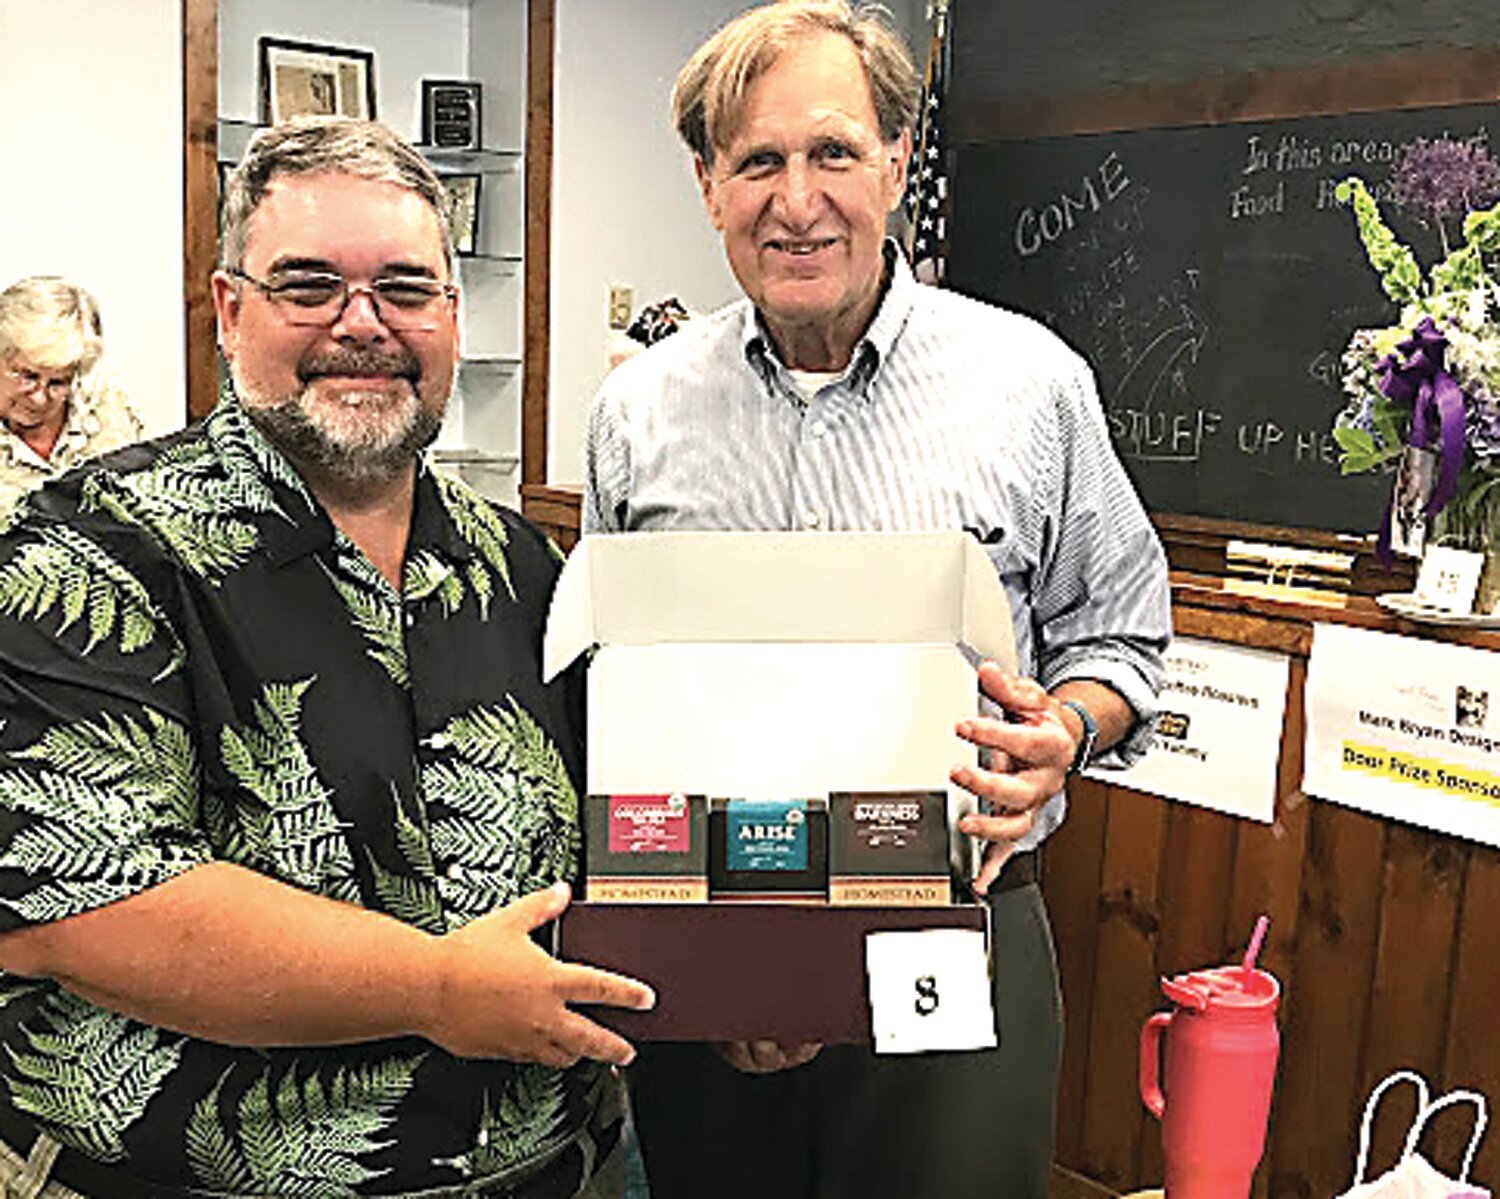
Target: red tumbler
<point>1211,1085</point>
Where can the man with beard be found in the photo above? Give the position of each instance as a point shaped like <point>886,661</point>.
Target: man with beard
<point>282,794</point>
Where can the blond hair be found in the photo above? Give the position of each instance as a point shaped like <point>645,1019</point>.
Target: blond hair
<point>708,99</point>
<point>55,323</point>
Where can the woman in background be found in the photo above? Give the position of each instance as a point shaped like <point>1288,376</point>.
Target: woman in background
<point>55,408</point>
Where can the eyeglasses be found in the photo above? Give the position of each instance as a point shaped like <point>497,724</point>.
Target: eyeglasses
<point>28,380</point>
<point>409,303</point>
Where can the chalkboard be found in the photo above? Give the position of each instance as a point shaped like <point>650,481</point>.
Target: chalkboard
<point>1212,280</point>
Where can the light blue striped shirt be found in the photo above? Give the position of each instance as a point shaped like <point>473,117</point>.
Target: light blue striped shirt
<point>951,414</point>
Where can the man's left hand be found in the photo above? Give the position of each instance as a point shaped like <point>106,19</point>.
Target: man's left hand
<point>1028,759</point>
<point>766,1057</point>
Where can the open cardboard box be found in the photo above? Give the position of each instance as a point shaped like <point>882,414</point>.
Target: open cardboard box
<point>764,664</point>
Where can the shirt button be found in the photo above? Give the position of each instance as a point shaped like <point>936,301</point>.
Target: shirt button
<point>812,520</point>
<point>818,428</point>
<point>455,872</point>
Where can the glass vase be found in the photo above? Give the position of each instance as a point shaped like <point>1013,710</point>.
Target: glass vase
<point>1487,598</point>
<point>1471,521</point>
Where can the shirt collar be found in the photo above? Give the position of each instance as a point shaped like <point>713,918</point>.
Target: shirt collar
<point>19,454</point>
<point>432,525</point>
<point>302,527</point>
<point>872,348</point>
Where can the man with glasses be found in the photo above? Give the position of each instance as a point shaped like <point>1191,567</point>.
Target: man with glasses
<point>57,407</point>
<point>282,795</point>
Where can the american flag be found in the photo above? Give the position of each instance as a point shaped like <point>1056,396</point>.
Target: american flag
<point>926,200</point>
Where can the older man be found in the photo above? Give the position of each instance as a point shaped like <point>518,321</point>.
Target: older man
<point>840,394</point>
<point>282,795</point>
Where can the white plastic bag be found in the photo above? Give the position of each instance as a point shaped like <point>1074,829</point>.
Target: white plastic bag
<point>1413,1177</point>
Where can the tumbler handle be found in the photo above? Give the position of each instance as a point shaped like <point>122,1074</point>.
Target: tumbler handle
<point>1150,1080</point>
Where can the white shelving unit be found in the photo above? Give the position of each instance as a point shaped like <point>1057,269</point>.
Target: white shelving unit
<point>412,40</point>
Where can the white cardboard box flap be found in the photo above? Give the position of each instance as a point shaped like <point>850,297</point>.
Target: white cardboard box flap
<point>913,588</point>
<point>780,664</point>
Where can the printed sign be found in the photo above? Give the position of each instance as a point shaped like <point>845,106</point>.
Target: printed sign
<point>1449,578</point>
<point>888,847</point>
<point>1218,734</point>
<point>1405,728</point>
<point>929,990</point>
<point>649,824</point>
<point>767,835</point>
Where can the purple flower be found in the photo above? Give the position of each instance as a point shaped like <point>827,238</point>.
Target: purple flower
<point>1482,432</point>
<point>1445,178</point>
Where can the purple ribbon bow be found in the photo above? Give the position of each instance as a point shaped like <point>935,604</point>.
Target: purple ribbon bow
<point>1423,383</point>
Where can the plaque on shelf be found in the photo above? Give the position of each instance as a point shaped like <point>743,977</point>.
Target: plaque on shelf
<point>450,114</point>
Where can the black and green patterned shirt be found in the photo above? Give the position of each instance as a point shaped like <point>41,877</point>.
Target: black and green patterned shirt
<point>196,666</point>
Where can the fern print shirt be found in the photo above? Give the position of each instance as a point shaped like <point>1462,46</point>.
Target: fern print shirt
<point>195,666</point>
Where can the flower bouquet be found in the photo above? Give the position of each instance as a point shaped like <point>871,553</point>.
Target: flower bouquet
<point>1427,388</point>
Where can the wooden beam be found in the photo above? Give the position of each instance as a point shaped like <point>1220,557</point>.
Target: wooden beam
<point>540,23</point>
<point>1409,80</point>
<point>200,199</point>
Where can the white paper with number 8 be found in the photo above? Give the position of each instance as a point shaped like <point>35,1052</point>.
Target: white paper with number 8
<point>929,990</point>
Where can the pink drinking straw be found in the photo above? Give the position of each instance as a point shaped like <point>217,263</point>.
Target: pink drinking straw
<point>1253,951</point>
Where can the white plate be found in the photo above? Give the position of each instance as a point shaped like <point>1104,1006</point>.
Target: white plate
<point>1405,603</point>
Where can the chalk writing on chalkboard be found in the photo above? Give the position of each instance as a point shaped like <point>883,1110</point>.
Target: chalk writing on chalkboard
<point>1212,280</point>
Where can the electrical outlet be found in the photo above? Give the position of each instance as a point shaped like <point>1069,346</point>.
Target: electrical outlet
<point>621,303</point>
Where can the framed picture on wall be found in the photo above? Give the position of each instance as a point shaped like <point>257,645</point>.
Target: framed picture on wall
<point>463,212</point>
<point>306,79</point>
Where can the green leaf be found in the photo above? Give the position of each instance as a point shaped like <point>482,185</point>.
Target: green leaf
<point>65,572</point>
<point>377,616</point>
<point>306,1141</point>
<point>285,824</point>
<point>92,1072</point>
<point>479,523</point>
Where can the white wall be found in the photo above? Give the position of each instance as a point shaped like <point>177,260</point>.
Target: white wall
<point>625,206</point>
<point>92,157</point>
<point>94,171</point>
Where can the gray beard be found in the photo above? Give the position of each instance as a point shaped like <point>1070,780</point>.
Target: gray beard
<point>352,466</point>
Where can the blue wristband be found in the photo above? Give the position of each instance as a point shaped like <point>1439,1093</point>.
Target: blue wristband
<point>1090,735</point>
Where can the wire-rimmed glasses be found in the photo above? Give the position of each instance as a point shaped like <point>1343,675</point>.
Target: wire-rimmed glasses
<point>404,302</point>
<point>33,381</point>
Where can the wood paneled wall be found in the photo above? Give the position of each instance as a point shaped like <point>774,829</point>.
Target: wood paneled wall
<point>1386,939</point>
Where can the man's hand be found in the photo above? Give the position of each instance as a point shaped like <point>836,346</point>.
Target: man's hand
<point>1028,758</point>
<point>502,996</point>
<point>766,1057</point>
<point>226,954</point>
